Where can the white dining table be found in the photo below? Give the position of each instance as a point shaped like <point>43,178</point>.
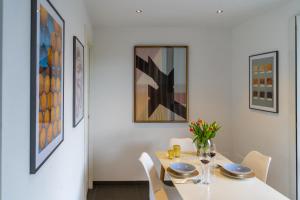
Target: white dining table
<point>221,187</point>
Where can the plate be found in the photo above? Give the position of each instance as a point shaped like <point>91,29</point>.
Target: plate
<point>182,168</point>
<point>236,176</point>
<point>237,169</point>
<point>181,176</point>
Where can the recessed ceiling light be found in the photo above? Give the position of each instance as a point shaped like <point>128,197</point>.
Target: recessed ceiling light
<point>219,11</point>
<point>138,11</point>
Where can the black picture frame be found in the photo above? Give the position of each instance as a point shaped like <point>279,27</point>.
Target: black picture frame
<point>275,82</point>
<point>75,42</point>
<point>36,162</point>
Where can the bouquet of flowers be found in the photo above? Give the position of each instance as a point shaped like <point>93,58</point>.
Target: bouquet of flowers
<point>203,132</point>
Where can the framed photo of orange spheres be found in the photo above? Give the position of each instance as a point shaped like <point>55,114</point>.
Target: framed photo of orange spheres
<point>47,82</point>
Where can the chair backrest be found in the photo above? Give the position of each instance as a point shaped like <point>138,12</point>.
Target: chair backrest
<point>259,163</point>
<point>156,189</point>
<point>186,144</point>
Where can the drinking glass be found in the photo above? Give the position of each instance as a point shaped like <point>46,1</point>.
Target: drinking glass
<point>171,154</point>
<point>205,165</point>
<point>177,150</point>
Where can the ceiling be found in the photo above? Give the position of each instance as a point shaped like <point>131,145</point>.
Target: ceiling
<point>177,12</point>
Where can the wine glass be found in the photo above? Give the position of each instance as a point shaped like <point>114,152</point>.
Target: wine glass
<point>205,166</point>
<point>212,153</point>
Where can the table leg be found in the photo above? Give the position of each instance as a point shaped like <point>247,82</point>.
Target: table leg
<point>162,173</point>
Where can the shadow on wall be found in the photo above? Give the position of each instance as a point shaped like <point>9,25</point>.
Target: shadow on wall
<point>116,156</point>
<point>125,162</point>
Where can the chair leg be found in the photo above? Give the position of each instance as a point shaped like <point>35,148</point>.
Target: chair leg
<point>162,177</point>
<point>162,173</point>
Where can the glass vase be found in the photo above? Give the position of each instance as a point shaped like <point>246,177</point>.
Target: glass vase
<point>200,146</point>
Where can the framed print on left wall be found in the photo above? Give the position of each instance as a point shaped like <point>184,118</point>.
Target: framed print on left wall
<point>78,81</point>
<point>263,82</point>
<point>47,82</point>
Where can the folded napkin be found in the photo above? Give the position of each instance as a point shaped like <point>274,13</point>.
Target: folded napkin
<point>186,180</point>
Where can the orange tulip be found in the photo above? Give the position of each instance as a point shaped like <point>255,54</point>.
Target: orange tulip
<point>200,122</point>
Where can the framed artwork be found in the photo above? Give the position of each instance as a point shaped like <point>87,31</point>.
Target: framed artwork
<point>78,81</point>
<point>47,82</point>
<point>160,84</point>
<point>263,82</point>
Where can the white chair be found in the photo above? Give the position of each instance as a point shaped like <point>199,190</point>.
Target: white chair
<point>156,188</point>
<point>259,163</point>
<point>186,144</point>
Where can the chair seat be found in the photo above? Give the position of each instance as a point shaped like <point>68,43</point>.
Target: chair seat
<point>161,195</point>
<point>157,191</point>
<point>172,193</point>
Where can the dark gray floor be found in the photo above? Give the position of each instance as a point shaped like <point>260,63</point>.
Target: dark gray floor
<point>132,191</point>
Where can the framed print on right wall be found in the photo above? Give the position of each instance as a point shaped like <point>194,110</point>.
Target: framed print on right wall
<point>263,82</point>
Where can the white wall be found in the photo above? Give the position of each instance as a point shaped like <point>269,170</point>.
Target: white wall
<point>62,176</point>
<point>272,134</point>
<point>118,141</point>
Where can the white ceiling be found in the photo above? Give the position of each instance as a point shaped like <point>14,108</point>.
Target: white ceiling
<point>176,12</point>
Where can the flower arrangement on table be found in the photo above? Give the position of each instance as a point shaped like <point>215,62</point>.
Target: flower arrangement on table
<point>203,132</point>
